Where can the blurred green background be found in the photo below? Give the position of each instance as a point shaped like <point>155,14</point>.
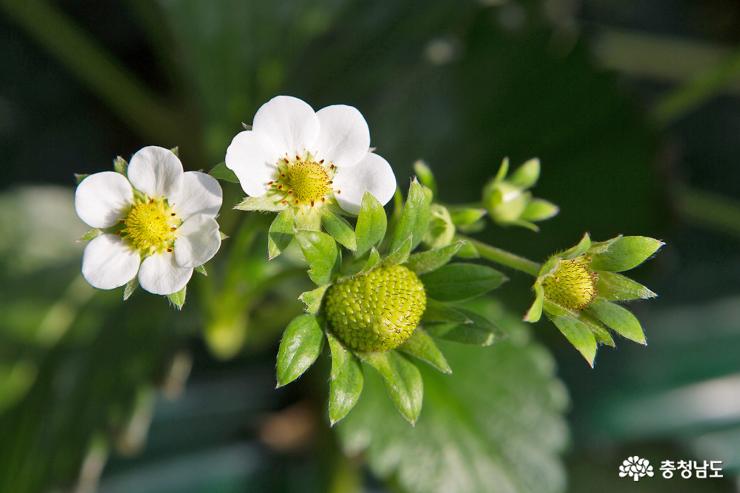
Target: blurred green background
<point>632,107</point>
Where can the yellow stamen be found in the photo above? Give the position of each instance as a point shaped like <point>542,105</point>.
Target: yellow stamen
<point>306,180</point>
<point>151,226</point>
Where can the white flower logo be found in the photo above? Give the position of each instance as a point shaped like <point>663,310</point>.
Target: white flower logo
<point>636,468</point>
<point>305,158</point>
<point>159,222</point>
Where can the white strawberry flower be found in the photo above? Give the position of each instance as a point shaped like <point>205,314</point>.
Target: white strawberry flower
<point>305,158</point>
<point>157,221</point>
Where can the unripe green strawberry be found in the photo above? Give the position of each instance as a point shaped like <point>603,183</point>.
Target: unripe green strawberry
<point>572,284</point>
<point>376,311</point>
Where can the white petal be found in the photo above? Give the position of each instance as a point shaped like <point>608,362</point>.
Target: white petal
<point>197,242</point>
<point>372,174</point>
<point>290,123</point>
<point>199,194</point>
<point>344,138</point>
<point>108,262</point>
<point>102,199</point>
<point>156,171</point>
<point>160,274</point>
<point>253,158</point>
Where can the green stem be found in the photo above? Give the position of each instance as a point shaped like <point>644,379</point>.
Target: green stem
<point>499,256</point>
<point>96,68</point>
<point>710,211</point>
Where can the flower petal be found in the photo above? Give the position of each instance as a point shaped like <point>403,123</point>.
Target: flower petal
<point>198,240</point>
<point>156,171</point>
<point>290,123</point>
<point>344,137</point>
<point>102,199</point>
<point>108,262</point>
<point>253,158</point>
<point>160,274</point>
<point>199,194</point>
<point>372,174</point>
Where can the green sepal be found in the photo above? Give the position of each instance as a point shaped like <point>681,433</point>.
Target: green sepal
<point>503,170</point>
<point>339,229</point>
<point>312,299</point>
<point>321,253</point>
<point>373,259</point>
<point>266,203</point>
<point>301,344</point>
<point>175,150</point>
<point>402,380</point>
<point>539,210</point>
<point>438,312</point>
<point>582,247</point>
<point>371,224</point>
<point>221,172</point>
<point>130,287</point>
<point>624,253</point>
<point>525,224</point>
<point>461,281</point>
<point>201,269</point>
<point>79,177</point>
<point>308,219</point>
<point>345,381</point>
<point>526,175</point>
<point>421,346</point>
<point>400,255</point>
<point>415,217</point>
<point>281,233</point>
<point>601,333</point>
<point>120,165</point>
<point>431,260</point>
<point>477,330</point>
<point>425,176</point>
<point>463,217</point>
<point>93,233</point>
<point>579,335</point>
<point>468,251</point>
<point>619,319</point>
<point>534,313</point>
<point>178,299</point>
<point>616,287</point>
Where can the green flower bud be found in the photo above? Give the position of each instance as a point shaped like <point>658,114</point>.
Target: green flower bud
<point>376,311</point>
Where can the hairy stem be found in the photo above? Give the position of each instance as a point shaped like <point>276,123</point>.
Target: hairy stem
<point>502,257</point>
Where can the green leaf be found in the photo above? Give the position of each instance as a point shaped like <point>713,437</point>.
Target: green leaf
<point>483,429</point>
<point>414,219</point>
<point>221,172</point>
<point>321,253</point>
<point>619,319</point>
<point>300,346</point>
<point>430,260</point>
<point>477,330</point>
<point>578,334</point>
<point>437,312</point>
<point>402,380</point>
<point>421,346</point>
<point>454,282</point>
<point>400,255</point>
<point>526,175</point>
<point>339,228</point>
<point>266,203</point>
<point>535,311</point>
<point>93,233</point>
<point>178,299</point>
<point>312,299</point>
<point>425,176</point>
<point>130,288</point>
<point>281,233</point>
<point>539,210</point>
<point>625,253</point>
<point>345,381</point>
<point>371,224</point>
<point>616,287</point>
<point>120,165</point>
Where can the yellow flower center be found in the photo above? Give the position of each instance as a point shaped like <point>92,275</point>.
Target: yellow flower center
<point>303,180</point>
<point>377,311</point>
<point>150,226</point>
<point>572,284</point>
